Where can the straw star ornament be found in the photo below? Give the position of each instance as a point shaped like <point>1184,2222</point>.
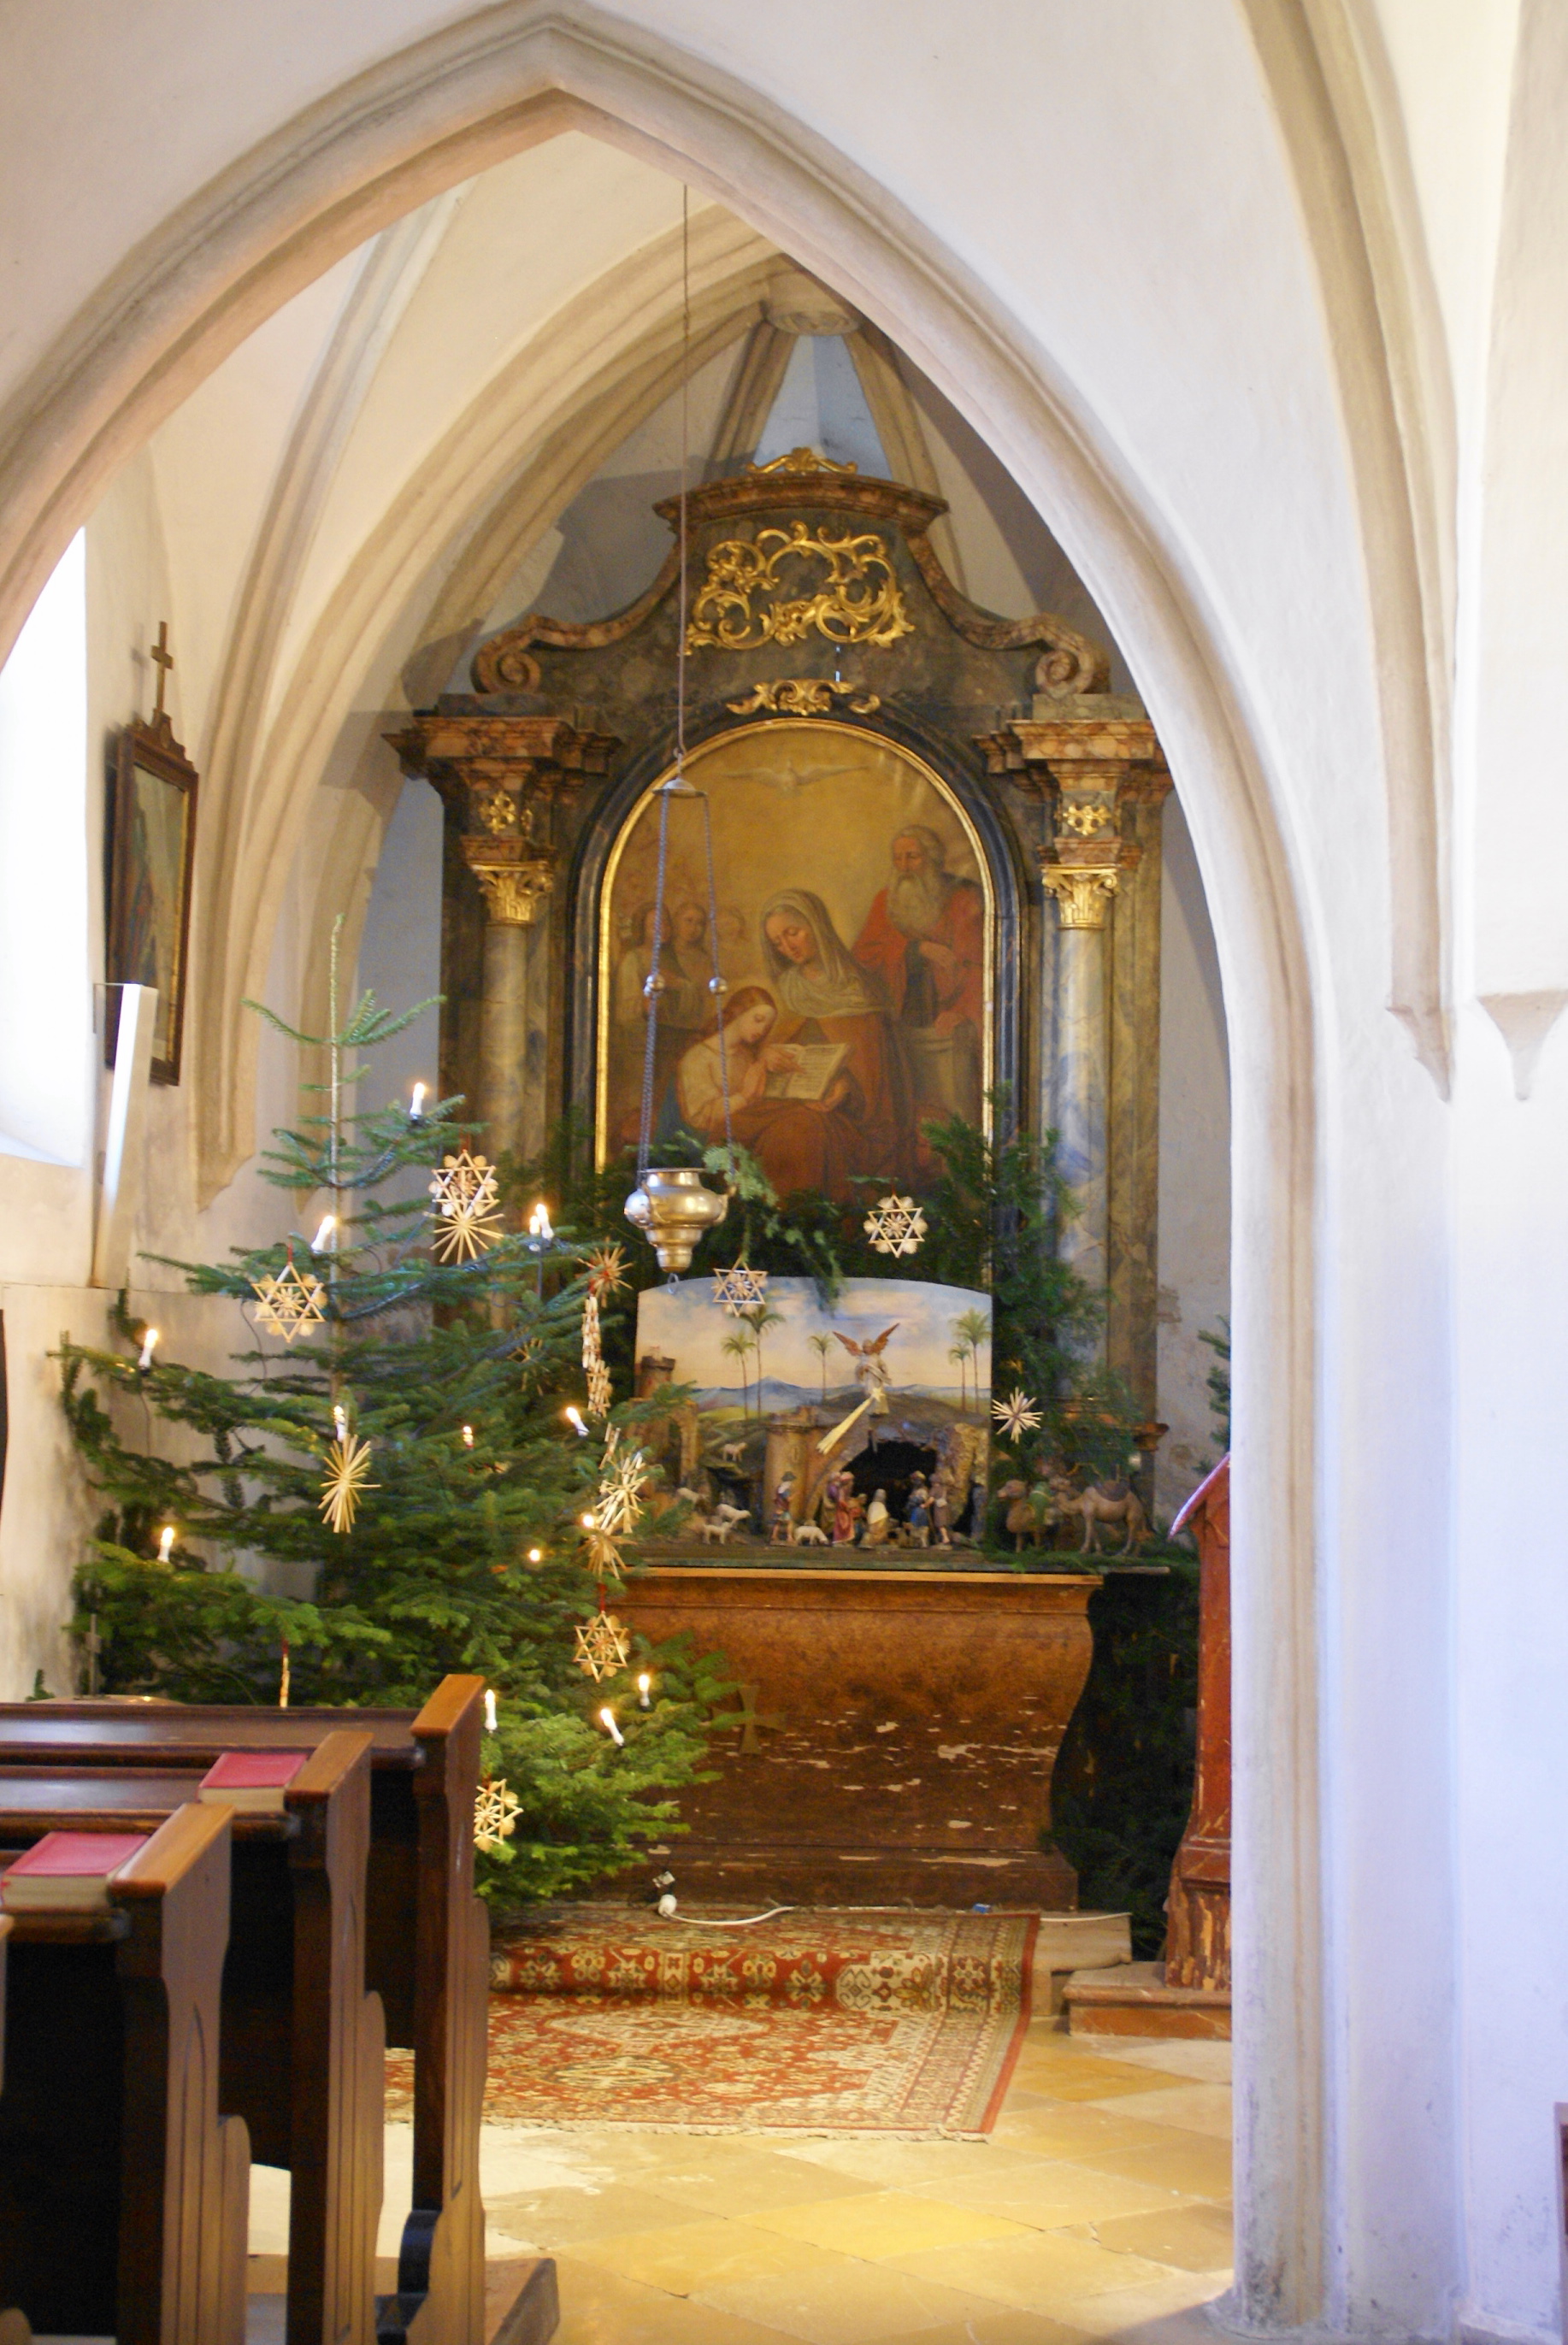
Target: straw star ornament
<point>467,1207</point>
<point>1017,1414</point>
<point>349,1465</point>
<point>736,1289</point>
<point>601,1646</point>
<point>896,1225</point>
<point>291,1300</point>
<point>495,1811</point>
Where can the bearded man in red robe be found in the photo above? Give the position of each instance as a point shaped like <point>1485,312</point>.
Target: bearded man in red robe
<point>924,938</point>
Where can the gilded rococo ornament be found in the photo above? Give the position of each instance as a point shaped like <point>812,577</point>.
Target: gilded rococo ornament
<point>741,605</point>
<point>794,696</point>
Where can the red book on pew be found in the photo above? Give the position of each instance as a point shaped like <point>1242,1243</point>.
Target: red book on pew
<point>252,1782</point>
<point>67,1872</point>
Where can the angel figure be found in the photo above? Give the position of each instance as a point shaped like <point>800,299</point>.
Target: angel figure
<point>870,1370</point>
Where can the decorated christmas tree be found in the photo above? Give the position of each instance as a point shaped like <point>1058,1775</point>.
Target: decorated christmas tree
<point>414,1467</point>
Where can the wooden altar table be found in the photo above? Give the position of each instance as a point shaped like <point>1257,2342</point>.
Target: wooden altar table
<point>901,1730</point>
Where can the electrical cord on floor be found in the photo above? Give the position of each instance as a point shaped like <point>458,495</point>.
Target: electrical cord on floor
<point>665,1910</point>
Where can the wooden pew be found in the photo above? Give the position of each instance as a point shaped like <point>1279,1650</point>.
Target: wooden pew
<point>303,2059</point>
<point>123,2194</point>
<point>427,1941</point>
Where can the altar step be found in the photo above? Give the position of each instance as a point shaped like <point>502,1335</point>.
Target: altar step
<point>1133,1999</point>
<point>761,1872</point>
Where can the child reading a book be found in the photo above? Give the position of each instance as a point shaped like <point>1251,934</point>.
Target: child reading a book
<point>792,1103</point>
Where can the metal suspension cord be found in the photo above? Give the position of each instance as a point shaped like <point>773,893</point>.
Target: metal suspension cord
<point>678,786</point>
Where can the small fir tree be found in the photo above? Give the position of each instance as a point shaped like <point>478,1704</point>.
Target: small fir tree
<point>465,1549</point>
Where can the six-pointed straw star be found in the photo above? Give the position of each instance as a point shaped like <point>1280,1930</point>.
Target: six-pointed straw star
<point>601,1646</point>
<point>895,1225</point>
<point>467,1202</point>
<point>736,1289</point>
<point>495,1812</point>
<point>349,1462</point>
<point>1017,1414</point>
<point>291,1300</point>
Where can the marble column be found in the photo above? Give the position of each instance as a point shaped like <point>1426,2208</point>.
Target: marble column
<point>516,879</point>
<point>1080,1066</point>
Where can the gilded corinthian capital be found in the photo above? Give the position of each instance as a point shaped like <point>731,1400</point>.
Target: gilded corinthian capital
<point>516,879</point>
<point>1082,894</point>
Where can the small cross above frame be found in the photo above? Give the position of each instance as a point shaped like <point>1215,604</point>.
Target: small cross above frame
<point>163,660</point>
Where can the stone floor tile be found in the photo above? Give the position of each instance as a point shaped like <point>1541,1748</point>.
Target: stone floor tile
<point>601,2308</point>
<point>688,2254</point>
<point>846,2302</point>
<point>899,2165</point>
<point>1198,2165</point>
<point>1052,2193</point>
<point>995,2324</point>
<point>1162,2311</point>
<point>1038,2271</point>
<point>885,2223</point>
<point>745,2182</point>
<point>1203,2062</point>
<point>1075,2128</point>
<point>1079,2079</point>
<point>551,2219</point>
<point>1195,2238</point>
<point>1196,2109</point>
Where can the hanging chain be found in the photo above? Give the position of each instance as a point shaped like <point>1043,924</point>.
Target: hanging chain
<point>653,986</point>
<point>717,987</point>
<point>678,786</point>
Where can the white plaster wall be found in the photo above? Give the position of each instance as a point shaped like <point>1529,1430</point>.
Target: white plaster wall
<point>1194,1169</point>
<point>1111,189</point>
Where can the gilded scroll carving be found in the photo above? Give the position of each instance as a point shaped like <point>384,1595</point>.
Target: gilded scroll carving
<point>793,696</point>
<point>741,603</point>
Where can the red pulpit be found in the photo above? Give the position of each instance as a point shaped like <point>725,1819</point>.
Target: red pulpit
<point>1198,1940</point>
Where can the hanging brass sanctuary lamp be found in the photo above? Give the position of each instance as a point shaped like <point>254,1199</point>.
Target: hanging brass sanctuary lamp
<point>672,1205</point>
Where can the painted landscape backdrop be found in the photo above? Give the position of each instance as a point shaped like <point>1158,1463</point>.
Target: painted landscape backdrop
<point>939,1347</point>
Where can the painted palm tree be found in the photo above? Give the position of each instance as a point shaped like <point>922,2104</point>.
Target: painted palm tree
<point>822,1345</point>
<point>739,1347</point>
<point>959,1355</point>
<point>758,1317</point>
<point>974,1329</point>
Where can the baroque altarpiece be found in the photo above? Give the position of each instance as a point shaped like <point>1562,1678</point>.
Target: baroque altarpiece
<point>935,891</point>
<point>935,829</point>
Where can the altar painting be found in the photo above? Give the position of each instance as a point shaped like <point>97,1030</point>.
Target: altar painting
<point>854,926</point>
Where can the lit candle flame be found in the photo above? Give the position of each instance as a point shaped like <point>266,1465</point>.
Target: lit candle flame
<point>166,1543</point>
<point>539,1225</point>
<point>148,1345</point>
<point>416,1104</point>
<point>323,1236</point>
<point>468,1436</point>
<point>573,1417</point>
<point>535,1555</point>
<point>489,1709</point>
<point>607,1721</point>
<point>340,1419</point>
<point>589,1524</point>
<point>644,1689</point>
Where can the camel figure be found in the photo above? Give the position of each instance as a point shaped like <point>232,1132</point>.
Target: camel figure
<point>1097,1504</point>
<point>1023,1521</point>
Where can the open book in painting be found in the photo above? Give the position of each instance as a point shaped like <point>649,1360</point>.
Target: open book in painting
<point>816,1065</point>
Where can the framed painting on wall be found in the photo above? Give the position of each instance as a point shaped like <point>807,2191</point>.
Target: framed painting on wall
<point>855,934</point>
<point>152,850</point>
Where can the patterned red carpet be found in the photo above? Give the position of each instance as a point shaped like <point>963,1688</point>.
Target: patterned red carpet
<point>882,2022</point>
